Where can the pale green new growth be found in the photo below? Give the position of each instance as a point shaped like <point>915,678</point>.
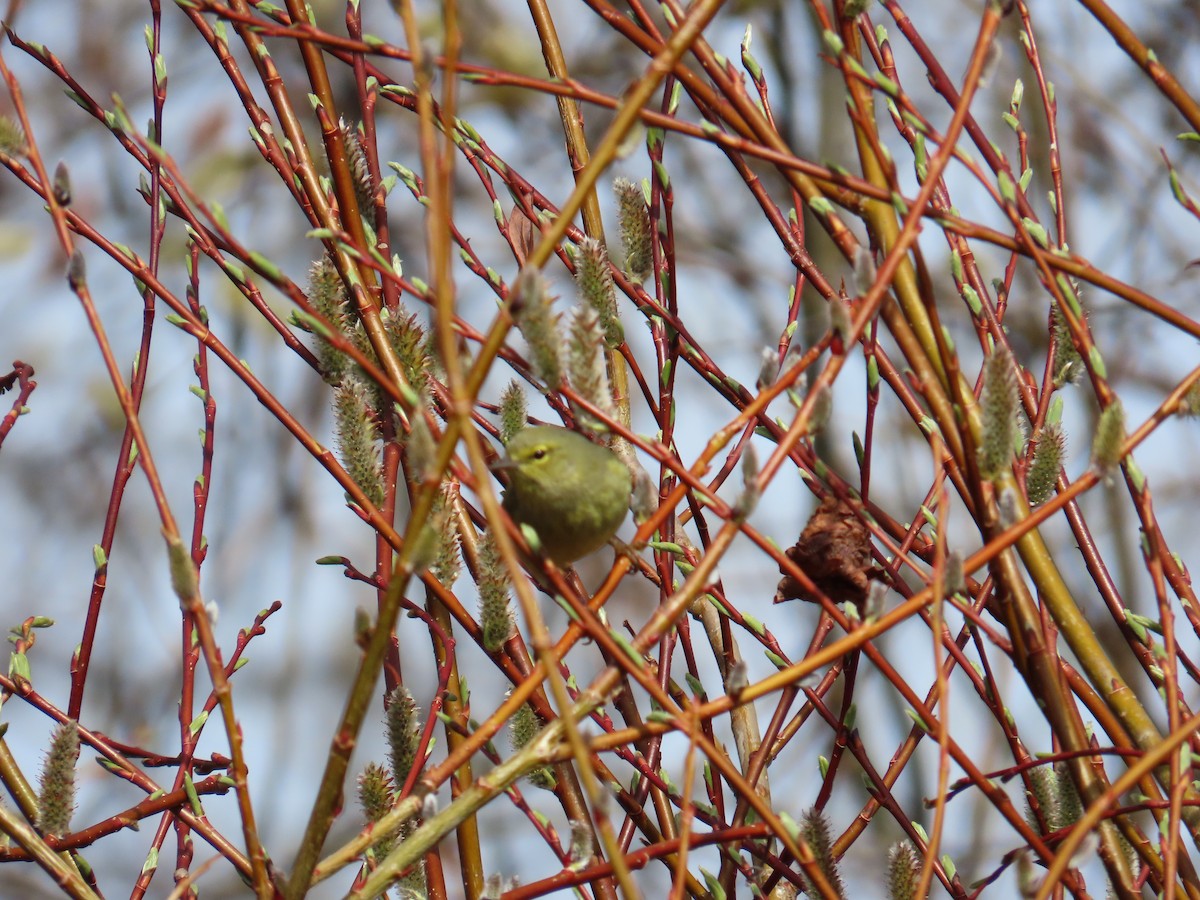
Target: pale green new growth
<point>12,137</point>
<point>1109,440</point>
<point>185,580</point>
<point>748,498</point>
<point>1189,404</point>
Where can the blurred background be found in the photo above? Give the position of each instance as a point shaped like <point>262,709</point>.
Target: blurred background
<point>273,510</point>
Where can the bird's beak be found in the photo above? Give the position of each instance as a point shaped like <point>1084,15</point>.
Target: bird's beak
<point>503,464</point>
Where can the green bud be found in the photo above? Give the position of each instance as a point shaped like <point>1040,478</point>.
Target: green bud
<point>62,184</point>
<point>954,580</point>
<point>1109,439</point>
<point>748,499</point>
<point>12,137</point>
<point>822,409</point>
<point>1189,404</point>
<point>185,580</point>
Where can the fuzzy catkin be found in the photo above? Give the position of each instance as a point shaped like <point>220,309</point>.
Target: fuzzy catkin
<point>998,403</point>
<point>56,798</point>
<point>523,728</point>
<point>411,345</point>
<point>360,170</point>
<point>815,831</point>
<point>328,296</point>
<point>1047,461</point>
<point>448,563</point>
<point>589,370</point>
<point>634,220</point>
<point>402,732</point>
<point>596,288</point>
<point>513,413</point>
<point>358,438</point>
<point>532,309</point>
<point>1068,364</point>
<point>495,609</point>
<point>375,800</point>
<point>904,871</point>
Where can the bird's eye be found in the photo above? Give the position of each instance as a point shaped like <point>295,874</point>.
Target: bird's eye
<point>539,453</point>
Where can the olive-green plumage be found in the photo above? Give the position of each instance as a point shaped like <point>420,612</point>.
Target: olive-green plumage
<point>572,492</point>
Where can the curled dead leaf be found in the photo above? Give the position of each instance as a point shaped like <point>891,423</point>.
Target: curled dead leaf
<point>834,551</point>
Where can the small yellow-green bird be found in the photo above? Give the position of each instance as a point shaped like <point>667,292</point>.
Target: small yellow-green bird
<point>572,492</point>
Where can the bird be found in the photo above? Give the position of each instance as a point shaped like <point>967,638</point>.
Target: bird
<point>573,493</point>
